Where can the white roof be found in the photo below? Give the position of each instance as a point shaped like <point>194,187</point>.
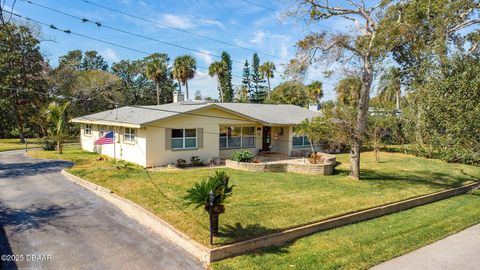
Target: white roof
<point>269,114</point>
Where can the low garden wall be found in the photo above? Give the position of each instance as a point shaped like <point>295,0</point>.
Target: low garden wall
<point>324,168</point>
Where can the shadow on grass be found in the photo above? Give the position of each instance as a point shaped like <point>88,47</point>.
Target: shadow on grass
<point>237,232</point>
<point>429,178</point>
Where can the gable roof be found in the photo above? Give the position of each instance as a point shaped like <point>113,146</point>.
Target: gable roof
<point>269,114</point>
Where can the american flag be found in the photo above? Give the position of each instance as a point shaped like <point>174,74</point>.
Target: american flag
<point>107,139</point>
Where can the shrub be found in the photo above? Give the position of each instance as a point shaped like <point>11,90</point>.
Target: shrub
<point>242,156</point>
<point>181,162</point>
<point>49,145</point>
<point>196,161</point>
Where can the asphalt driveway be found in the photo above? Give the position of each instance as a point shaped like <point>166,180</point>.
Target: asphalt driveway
<point>48,222</point>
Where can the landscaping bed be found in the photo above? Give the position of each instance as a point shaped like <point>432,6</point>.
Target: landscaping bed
<point>267,202</point>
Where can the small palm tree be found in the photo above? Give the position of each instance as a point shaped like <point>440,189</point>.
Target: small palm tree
<point>217,69</point>
<point>200,196</point>
<point>316,129</point>
<point>184,68</point>
<point>156,70</point>
<point>57,118</point>
<point>267,69</point>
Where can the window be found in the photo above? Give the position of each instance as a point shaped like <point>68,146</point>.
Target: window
<point>129,135</point>
<point>184,138</point>
<point>300,140</point>
<point>237,137</point>
<point>88,129</point>
<point>102,130</point>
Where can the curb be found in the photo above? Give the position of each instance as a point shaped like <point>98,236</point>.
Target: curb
<point>207,255</point>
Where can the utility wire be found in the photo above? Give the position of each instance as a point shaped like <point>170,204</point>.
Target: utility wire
<point>182,30</point>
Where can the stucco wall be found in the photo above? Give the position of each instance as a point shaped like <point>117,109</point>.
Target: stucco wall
<point>157,155</point>
<point>130,151</point>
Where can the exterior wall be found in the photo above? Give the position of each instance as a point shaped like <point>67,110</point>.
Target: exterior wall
<point>157,155</point>
<point>281,143</point>
<point>129,151</point>
<point>227,153</point>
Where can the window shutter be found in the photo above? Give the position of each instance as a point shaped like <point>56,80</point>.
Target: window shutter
<point>168,139</point>
<point>199,138</point>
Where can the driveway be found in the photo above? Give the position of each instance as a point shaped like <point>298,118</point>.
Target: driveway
<point>46,218</point>
<point>458,251</point>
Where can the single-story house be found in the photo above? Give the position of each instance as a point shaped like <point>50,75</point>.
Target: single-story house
<point>160,135</point>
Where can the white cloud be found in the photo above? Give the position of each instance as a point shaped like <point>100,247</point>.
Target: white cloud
<point>110,55</point>
<point>207,59</point>
<point>212,22</point>
<point>176,21</point>
<point>258,38</point>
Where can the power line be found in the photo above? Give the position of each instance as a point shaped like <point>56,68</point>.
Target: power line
<point>259,5</point>
<point>67,31</point>
<point>182,30</point>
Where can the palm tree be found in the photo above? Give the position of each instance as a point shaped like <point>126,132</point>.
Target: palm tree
<point>56,116</point>
<point>215,185</point>
<point>217,69</point>
<point>184,68</point>
<point>267,69</point>
<point>315,91</point>
<point>316,129</point>
<point>390,86</point>
<point>348,90</point>
<point>156,70</point>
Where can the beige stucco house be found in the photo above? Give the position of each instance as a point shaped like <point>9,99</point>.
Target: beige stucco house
<point>159,135</point>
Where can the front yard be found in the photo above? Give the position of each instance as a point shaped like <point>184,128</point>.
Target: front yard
<point>266,202</point>
<point>14,144</point>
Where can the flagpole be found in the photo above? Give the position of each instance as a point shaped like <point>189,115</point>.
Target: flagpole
<point>114,138</point>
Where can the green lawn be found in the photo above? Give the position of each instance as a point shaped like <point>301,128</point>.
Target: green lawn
<point>365,244</point>
<point>13,144</point>
<point>267,202</point>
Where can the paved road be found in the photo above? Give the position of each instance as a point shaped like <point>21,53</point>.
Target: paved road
<point>458,251</point>
<point>43,213</point>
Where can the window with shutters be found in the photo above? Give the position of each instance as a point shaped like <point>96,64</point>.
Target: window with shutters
<point>185,138</point>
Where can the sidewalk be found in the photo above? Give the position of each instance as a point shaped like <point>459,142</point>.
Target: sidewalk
<point>458,251</point>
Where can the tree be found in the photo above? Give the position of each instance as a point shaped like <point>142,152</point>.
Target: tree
<point>93,61</point>
<point>267,70</point>
<point>184,68</point>
<point>378,127</point>
<point>73,59</point>
<point>199,196</point>
<point>226,79</point>
<point>290,92</point>
<point>137,88</point>
<point>56,114</point>
<point>373,38</point>
<point>258,94</point>
<point>348,90</point>
<point>217,69</point>
<point>241,94</point>
<point>22,75</point>
<point>156,70</point>
<point>316,129</point>
<point>390,87</point>
<point>315,91</point>
<point>246,79</point>
<point>198,95</point>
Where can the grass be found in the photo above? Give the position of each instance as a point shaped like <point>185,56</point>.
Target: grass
<point>14,144</point>
<point>365,244</point>
<point>263,203</point>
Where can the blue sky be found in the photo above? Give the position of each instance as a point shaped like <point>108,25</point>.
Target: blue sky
<point>233,21</point>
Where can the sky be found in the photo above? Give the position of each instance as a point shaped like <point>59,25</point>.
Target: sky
<point>258,25</point>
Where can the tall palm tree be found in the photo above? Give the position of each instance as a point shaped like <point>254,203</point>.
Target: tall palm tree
<point>315,91</point>
<point>57,118</point>
<point>390,86</point>
<point>156,70</point>
<point>184,68</point>
<point>217,69</point>
<point>267,69</point>
<point>348,90</point>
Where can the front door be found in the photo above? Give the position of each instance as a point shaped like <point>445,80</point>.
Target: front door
<point>266,138</point>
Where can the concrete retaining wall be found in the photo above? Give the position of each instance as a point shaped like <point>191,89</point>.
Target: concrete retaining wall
<point>207,255</point>
<point>321,169</point>
<point>146,218</point>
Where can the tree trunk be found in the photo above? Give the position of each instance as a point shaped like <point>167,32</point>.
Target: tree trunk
<point>158,93</point>
<point>269,88</point>
<point>377,159</point>
<point>214,220</point>
<point>21,133</point>
<point>186,87</point>
<point>397,97</point>
<point>59,146</point>
<point>220,90</point>
<point>367,77</point>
